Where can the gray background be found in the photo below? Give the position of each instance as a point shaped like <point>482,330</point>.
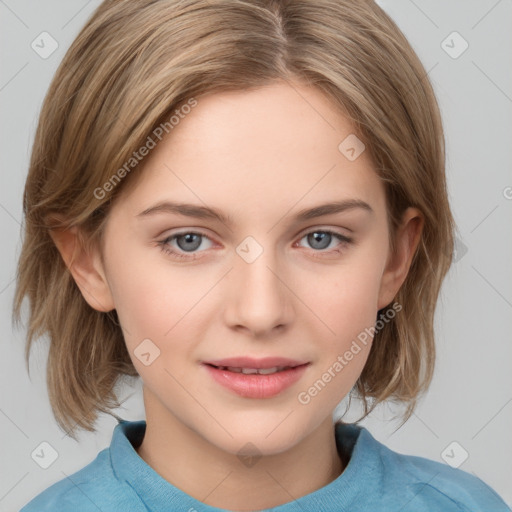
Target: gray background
<point>470,400</point>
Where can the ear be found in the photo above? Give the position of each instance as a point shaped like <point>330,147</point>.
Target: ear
<point>397,267</point>
<point>85,266</point>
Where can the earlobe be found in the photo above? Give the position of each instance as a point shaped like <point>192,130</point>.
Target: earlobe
<point>85,266</point>
<point>397,267</point>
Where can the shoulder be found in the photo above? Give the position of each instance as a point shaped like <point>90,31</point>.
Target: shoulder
<point>92,488</point>
<point>429,485</point>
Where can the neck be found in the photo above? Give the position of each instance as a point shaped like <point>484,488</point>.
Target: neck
<point>220,479</point>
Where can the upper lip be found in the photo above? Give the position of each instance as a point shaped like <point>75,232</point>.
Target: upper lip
<point>249,362</point>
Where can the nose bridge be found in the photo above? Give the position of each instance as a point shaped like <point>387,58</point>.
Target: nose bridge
<point>259,300</point>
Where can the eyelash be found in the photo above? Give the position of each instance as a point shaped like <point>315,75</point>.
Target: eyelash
<point>164,244</point>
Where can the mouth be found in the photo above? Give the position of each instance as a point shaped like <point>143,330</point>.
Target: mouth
<point>256,382</point>
<point>253,371</point>
<point>255,363</point>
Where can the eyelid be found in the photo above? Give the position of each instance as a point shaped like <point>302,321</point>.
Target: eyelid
<point>330,229</point>
<point>187,231</point>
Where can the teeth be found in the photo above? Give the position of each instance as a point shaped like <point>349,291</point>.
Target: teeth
<point>266,371</point>
<point>249,371</point>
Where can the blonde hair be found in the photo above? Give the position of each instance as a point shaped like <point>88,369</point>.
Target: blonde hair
<point>130,68</point>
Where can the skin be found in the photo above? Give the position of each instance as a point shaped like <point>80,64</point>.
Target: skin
<point>260,156</point>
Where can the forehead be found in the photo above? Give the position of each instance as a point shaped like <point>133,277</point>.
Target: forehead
<point>264,149</point>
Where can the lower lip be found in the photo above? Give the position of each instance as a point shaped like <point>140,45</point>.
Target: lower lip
<point>255,385</point>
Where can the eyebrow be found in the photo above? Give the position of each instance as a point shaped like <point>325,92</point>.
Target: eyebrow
<point>203,212</point>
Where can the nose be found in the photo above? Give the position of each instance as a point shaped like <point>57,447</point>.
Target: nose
<point>260,296</point>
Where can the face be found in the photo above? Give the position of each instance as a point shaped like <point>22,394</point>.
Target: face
<point>261,282</point>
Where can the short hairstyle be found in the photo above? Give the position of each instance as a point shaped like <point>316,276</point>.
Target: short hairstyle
<point>129,69</point>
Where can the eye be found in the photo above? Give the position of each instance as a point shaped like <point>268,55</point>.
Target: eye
<point>320,239</point>
<point>187,242</point>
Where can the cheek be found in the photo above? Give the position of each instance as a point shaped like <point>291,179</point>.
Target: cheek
<point>157,330</point>
<point>159,301</point>
<point>344,300</point>
<point>348,309</point>
<point>149,298</point>
<point>345,297</point>
<point>150,306</point>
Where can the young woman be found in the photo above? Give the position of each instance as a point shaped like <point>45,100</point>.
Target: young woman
<point>297,147</point>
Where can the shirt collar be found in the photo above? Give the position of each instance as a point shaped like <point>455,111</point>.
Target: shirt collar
<point>158,494</point>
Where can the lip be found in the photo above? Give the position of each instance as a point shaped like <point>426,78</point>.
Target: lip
<point>255,385</point>
<point>250,362</point>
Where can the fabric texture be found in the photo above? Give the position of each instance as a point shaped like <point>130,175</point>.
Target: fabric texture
<point>376,479</point>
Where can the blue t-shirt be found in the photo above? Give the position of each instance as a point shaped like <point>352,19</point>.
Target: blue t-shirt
<point>376,479</point>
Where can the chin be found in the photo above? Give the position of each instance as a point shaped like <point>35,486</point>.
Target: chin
<point>261,437</point>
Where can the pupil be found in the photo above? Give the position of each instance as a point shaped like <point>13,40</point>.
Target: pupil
<point>320,235</point>
<point>189,238</point>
